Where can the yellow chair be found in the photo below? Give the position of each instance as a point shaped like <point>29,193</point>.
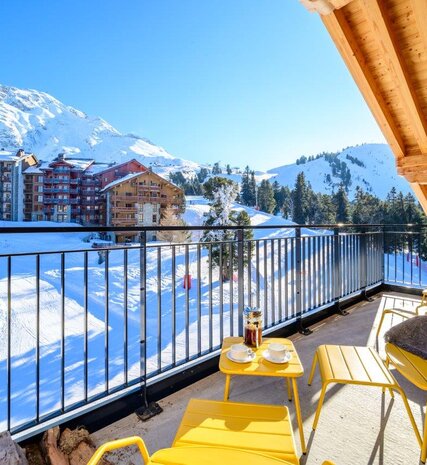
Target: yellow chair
<point>354,365</point>
<point>419,310</point>
<point>193,455</point>
<point>414,369</point>
<point>118,444</point>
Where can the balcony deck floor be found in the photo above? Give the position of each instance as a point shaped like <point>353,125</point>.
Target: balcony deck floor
<point>357,425</point>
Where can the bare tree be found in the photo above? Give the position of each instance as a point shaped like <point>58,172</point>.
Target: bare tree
<point>170,218</point>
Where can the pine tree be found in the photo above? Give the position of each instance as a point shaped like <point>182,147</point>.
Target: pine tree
<point>228,168</point>
<point>299,200</point>
<point>221,193</point>
<point>216,169</point>
<point>342,205</point>
<point>202,175</point>
<point>252,190</point>
<point>266,200</point>
<point>245,193</point>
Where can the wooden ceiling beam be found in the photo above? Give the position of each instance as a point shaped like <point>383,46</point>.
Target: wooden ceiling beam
<point>413,161</point>
<point>378,18</point>
<point>344,40</point>
<point>421,192</point>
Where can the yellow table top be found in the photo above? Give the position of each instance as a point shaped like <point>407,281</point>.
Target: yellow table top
<point>196,455</point>
<point>259,366</point>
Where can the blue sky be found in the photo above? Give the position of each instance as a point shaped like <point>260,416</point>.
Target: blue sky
<point>255,82</point>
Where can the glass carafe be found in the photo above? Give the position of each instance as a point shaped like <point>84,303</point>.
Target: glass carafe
<point>252,326</point>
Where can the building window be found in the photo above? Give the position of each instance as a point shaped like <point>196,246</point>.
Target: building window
<point>40,198</point>
<point>128,205</point>
<point>128,194</point>
<point>154,218</point>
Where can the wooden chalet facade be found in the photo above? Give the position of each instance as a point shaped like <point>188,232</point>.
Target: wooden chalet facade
<point>139,199</point>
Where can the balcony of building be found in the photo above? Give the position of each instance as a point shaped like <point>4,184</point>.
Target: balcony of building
<point>181,300</point>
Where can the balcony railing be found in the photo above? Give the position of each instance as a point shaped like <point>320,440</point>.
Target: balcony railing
<point>120,315</point>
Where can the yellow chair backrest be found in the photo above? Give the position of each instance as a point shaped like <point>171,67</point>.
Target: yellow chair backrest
<point>118,444</point>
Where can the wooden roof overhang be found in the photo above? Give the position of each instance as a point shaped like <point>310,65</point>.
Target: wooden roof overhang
<point>384,45</point>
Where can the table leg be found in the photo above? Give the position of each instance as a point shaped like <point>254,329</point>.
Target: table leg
<point>299,418</point>
<point>227,387</point>
<point>289,389</point>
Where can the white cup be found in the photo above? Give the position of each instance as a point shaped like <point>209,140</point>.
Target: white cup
<point>239,351</point>
<point>277,351</point>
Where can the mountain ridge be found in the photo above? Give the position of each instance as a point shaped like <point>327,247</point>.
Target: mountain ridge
<point>39,123</point>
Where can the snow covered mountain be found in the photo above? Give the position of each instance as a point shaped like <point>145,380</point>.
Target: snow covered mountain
<point>370,166</point>
<point>39,123</point>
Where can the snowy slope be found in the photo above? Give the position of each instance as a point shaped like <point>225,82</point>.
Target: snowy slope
<point>41,124</point>
<point>378,175</point>
<point>197,207</point>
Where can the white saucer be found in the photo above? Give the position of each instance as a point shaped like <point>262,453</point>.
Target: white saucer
<point>266,355</point>
<point>248,359</point>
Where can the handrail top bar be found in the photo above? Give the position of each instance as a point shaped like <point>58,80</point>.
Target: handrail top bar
<point>93,229</point>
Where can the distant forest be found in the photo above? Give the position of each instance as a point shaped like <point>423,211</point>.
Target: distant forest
<point>304,206</point>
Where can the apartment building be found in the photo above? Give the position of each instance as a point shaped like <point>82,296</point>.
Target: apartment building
<point>139,199</point>
<point>12,167</point>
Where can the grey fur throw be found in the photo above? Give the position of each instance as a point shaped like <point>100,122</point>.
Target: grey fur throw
<point>410,335</point>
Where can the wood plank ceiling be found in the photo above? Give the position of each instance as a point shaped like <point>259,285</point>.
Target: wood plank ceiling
<point>384,45</point>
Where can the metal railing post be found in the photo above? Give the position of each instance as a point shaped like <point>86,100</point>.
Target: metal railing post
<point>337,272</point>
<point>240,277</point>
<point>298,274</point>
<point>364,264</point>
<point>146,411</point>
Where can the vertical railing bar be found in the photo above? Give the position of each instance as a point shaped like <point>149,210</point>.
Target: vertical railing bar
<point>279,261</point>
<point>62,331</point>
<point>126,316</point>
<point>249,246</point>
<point>143,313</point>
<point>266,312</point>
<point>419,259</point>
<point>258,294</point>
<point>159,308</point>
<point>230,272</point>
<point>309,273</point>
<point>272,280</point>
<point>107,312</point>
<point>9,341</point>
<point>386,250</point>
<point>293,273</point>
<point>303,293</point>
<point>199,299</point>
<point>173,315</point>
<point>286,280</point>
<point>240,280</point>
<point>403,250</point>
<point>317,274</point>
<point>395,256</point>
<point>37,338</point>
<point>210,301</point>
<point>412,251</point>
<point>221,292</point>
<point>86,324</point>
<point>187,306</point>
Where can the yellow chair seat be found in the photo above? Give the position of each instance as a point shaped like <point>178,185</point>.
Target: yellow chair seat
<point>211,456</point>
<point>264,429</point>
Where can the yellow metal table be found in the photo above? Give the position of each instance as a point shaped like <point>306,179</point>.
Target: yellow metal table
<point>259,366</point>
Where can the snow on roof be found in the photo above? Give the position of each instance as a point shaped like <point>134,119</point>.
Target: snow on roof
<point>33,170</point>
<point>7,156</point>
<point>97,167</point>
<point>80,163</point>
<point>123,179</point>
